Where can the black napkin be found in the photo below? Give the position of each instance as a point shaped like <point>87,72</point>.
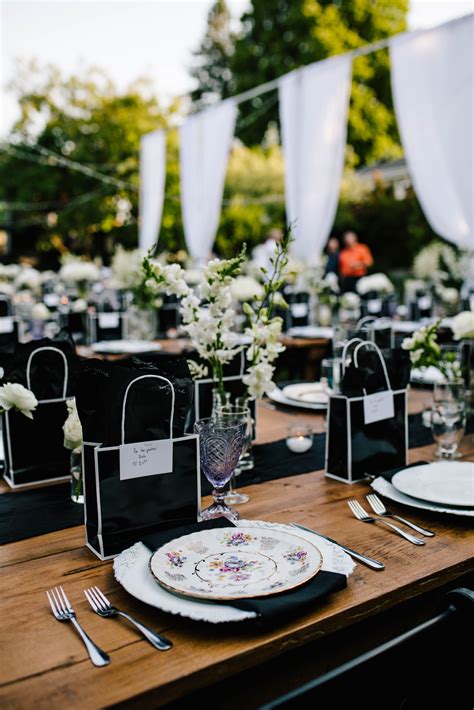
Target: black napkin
<point>267,608</point>
<point>389,474</point>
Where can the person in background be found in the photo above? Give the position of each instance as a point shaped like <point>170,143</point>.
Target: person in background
<point>264,252</point>
<point>354,261</point>
<point>332,251</point>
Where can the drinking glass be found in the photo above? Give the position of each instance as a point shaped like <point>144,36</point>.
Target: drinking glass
<point>448,424</point>
<point>331,371</point>
<point>220,447</point>
<point>450,391</point>
<point>239,414</point>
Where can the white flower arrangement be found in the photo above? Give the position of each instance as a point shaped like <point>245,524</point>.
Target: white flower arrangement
<point>79,305</point>
<point>380,283</point>
<point>448,295</point>
<point>9,272</point>
<point>246,288</point>
<point>440,263</point>
<point>72,427</point>
<point>426,352</point>
<point>462,325</point>
<point>350,301</point>
<point>40,312</point>
<point>207,315</point>
<point>27,279</point>
<point>15,396</point>
<point>126,268</point>
<point>264,331</point>
<point>76,271</point>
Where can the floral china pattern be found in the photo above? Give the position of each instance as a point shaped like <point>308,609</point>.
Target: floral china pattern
<point>233,568</point>
<point>235,563</point>
<point>176,558</point>
<point>236,539</point>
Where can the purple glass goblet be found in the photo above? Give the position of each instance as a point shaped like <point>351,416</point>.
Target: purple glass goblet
<point>220,447</point>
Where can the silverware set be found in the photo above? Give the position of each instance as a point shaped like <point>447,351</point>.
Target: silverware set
<point>381,513</point>
<point>63,611</point>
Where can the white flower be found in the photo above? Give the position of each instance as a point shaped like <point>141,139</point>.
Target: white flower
<point>259,380</point>
<point>193,277</point>
<point>40,312</point>
<point>246,288</point>
<point>331,281</point>
<point>75,271</point>
<point>198,372</point>
<point>79,306</point>
<point>350,300</point>
<point>374,282</point>
<point>28,278</point>
<point>126,268</point>
<point>72,427</point>
<point>6,288</point>
<point>449,295</point>
<point>8,272</point>
<point>15,396</point>
<point>463,325</point>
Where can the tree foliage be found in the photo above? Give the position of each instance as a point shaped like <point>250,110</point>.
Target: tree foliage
<point>282,35</point>
<point>86,120</point>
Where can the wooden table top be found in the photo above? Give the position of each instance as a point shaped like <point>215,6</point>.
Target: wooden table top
<point>44,664</point>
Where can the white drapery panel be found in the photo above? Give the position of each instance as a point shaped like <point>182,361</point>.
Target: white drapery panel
<point>313,110</point>
<point>205,141</point>
<point>152,186</point>
<point>432,84</point>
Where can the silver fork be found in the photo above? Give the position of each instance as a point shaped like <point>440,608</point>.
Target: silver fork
<point>63,611</point>
<point>361,514</point>
<point>379,508</point>
<point>101,605</point>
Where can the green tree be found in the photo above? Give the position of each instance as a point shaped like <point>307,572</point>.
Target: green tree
<point>279,36</point>
<point>211,66</point>
<point>87,120</point>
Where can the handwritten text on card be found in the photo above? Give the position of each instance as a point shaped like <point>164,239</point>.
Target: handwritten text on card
<point>148,458</point>
<point>378,406</point>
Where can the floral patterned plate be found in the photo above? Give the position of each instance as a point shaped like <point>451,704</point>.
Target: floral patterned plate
<point>227,563</point>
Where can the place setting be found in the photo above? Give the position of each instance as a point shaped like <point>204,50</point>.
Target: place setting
<point>237,355</point>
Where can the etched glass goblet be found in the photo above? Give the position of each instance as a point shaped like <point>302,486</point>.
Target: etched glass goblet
<point>220,447</point>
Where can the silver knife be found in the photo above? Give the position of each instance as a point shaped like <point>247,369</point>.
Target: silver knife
<point>374,564</point>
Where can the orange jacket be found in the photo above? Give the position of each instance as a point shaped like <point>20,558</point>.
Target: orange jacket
<point>355,260</point>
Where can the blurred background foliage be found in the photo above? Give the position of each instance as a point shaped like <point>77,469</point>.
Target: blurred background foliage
<point>87,120</point>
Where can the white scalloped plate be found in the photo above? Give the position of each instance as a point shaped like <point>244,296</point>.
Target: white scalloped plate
<point>277,395</point>
<point>131,569</point>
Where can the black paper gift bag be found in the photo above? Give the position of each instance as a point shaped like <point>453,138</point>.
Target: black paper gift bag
<point>368,421</point>
<point>141,473</point>
<point>34,448</point>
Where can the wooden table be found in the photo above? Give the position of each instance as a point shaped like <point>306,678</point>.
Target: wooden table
<point>44,664</point>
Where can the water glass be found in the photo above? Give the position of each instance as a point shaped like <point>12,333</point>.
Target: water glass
<point>448,424</point>
<point>331,371</point>
<point>220,447</point>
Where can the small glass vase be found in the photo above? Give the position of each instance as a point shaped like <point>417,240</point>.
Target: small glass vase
<point>77,483</point>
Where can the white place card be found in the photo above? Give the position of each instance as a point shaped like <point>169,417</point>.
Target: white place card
<point>378,406</point>
<point>147,458</point>
<point>7,324</point>
<point>374,305</point>
<point>108,320</point>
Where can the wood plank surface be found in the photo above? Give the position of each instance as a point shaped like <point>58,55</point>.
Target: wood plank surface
<point>44,664</point>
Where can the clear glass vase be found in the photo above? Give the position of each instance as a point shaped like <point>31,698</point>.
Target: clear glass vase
<point>141,323</point>
<point>77,482</point>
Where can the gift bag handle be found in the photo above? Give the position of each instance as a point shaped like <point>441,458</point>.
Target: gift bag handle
<point>369,344</point>
<point>346,347</point>
<point>364,321</point>
<point>144,377</point>
<point>56,350</point>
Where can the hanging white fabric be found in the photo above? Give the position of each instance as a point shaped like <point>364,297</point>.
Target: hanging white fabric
<point>152,186</point>
<point>433,92</point>
<point>314,102</point>
<point>205,141</point>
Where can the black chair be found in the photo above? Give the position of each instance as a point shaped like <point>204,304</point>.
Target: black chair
<point>428,667</point>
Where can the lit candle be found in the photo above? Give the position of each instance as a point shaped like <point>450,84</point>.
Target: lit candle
<point>299,444</point>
